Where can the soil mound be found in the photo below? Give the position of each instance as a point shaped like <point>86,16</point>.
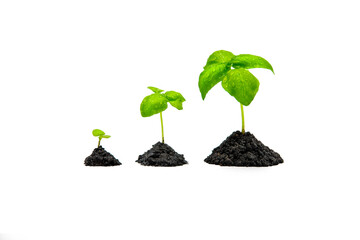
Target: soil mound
<point>161,155</point>
<point>243,150</point>
<point>100,157</point>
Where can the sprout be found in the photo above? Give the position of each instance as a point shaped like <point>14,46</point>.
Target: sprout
<point>100,134</point>
<point>232,71</point>
<point>157,103</point>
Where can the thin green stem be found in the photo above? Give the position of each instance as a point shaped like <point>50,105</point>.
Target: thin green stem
<point>242,119</point>
<point>162,127</point>
<point>99,142</point>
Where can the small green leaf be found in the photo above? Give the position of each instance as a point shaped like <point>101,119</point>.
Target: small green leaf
<point>172,96</point>
<point>155,90</point>
<point>241,84</point>
<point>177,104</point>
<point>249,61</point>
<point>106,136</point>
<point>220,56</point>
<point>153,104</point>
<point>97,132</point>
<point>211,76</point>
<point>175,99</point>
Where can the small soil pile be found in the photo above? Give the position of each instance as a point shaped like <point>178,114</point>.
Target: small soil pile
<point>161,155</point>
<point>243,150</point>
<point>100,157</point>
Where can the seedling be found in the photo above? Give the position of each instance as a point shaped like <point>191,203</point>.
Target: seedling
<point>223,66</point>
<point>157,103</point>
<point>100,134</point>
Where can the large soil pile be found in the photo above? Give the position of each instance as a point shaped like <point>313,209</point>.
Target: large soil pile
<point>243,150</point>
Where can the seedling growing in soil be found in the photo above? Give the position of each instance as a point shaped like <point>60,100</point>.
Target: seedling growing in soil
<point>100,134</point>
<point>157,103</point>
<point>232,71</point>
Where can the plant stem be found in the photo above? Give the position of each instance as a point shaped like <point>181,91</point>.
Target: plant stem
<point>99,142</point>
<point>242,118</point>
<point>162,127</point>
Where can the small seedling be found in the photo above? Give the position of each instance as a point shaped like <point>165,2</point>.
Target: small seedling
<point>157,103</point>
<point>223,66</point>
<point>100,134</point>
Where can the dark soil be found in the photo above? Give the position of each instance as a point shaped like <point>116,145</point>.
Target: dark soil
<point>161,155</point>
<point>100,157</point>
<point>243,150</point>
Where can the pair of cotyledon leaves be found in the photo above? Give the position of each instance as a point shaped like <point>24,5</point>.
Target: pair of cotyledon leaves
<point>157,102</point>
<point>238,82</point>
<point>99,133</point>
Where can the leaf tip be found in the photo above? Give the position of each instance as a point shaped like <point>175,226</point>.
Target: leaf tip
<point>203,95</point>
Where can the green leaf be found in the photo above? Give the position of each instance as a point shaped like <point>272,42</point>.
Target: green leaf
<point>211,76</point>
<point>177,104</point>
<point>105,136</point>
<point>220,56</point>
<point>241,84</point>
<point>249,61</point>
<point>97,132</point>
<point>175,99</point>
<point>153,104</point>
<point>155,90</point>
<point>172,96</point>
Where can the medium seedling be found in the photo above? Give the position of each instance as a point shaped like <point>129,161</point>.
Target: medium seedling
<point>157,103</point>
<point>100,134</point>
<point>223,66</point>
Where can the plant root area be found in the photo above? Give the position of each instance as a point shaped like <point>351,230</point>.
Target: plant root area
<point>161,155</point>
<point>100,157</point>
<point>243,150</point>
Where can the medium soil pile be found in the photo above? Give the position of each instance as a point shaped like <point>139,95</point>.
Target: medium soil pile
<point>161,155</point>
<point>243,150</point>
<point>100,157</point>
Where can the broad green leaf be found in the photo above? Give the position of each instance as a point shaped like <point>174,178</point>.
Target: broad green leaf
<point>153,104</point>
<point>97,132</point>
<point>211,76</point>
<point>175,99</point>
<point>105,136</point>
<point>220,56</point>
<point>241,84</point>
<point>249,61</point>
<point>155,90</point>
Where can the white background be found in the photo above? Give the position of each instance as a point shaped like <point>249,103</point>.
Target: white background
<point>67,67</point>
